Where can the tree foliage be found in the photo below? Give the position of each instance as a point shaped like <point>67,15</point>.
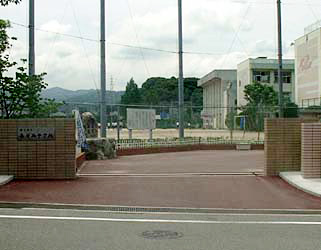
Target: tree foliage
<point>291,110</point>
<point>159,90</point>
<point>132,93</point>
<point>6,2</point>
<point>20,94</point>
<point>162,91</point>
<point>260,94</point>
<point>262,100</point>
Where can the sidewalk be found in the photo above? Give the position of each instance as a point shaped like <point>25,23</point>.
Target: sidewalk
<point>310,186</point>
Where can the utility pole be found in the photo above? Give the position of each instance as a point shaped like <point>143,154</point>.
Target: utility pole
<point>31,62</point>
<point>280,80</point>
<point>103,117</point>
<point>111,100</point>
<point>181,76</point>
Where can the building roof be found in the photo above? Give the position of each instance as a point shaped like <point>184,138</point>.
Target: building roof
<point>268,63</point>
<point>307,34</point>
<point>224,74</point>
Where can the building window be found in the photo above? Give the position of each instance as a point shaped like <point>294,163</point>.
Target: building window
<point>286,77</point>
<point>261,76</point>
<point>240,83</point>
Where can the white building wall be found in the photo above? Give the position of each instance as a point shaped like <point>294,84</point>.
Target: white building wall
<point>243,79</point>
<point>307,68</point>
<point>214,84</point>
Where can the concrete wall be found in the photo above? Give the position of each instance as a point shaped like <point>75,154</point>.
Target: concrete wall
<point>38,158</point>
<point>311,150</point>
<point>282,145</point>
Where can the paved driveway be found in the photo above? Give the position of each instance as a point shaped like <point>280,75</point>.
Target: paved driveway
<point>169,189</point>
<point>218,161</point>
<point>196,192</point>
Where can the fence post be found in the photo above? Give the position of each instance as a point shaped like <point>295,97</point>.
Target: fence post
<point>118,125</point>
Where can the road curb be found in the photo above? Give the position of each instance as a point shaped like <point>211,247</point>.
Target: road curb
<point>298,185</point>
<point>5,179</point>
<point>134,209</point>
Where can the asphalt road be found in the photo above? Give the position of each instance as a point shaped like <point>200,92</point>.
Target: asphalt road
<point>78,230</point>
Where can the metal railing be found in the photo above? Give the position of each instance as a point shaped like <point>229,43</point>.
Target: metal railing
<point>139,143</point>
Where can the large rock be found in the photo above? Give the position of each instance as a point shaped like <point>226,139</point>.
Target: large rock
<point>90,125</point>
<point>101,149</point>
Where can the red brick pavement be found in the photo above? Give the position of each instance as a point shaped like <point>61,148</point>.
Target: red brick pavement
<point>197,192</point>
<point>182,162</point>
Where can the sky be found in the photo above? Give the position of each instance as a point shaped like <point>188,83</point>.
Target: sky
<point>218,34</point>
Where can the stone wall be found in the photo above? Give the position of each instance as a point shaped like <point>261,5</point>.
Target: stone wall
<point>311,150</point>
<point>282,145</point>
<point>29,151</point>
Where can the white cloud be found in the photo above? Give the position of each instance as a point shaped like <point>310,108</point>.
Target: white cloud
<point>209,26</point>
<point>55,26</point>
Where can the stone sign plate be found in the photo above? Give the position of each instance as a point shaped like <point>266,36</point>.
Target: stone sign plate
<point>36,134</point>
<point>141,118</point>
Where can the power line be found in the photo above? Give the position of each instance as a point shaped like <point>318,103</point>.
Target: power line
<point>236,33</point>
<point>119,44</point>
<point>57,33</point>
<point>137,39</point>
<point>143,48</point>
<point>84,47</point>
<point>55,40</point>
<point>312,10</point>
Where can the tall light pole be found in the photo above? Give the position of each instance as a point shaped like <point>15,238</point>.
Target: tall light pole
<point>103,117</point>
<point>31,61</point>
<point>280,80</point>
<point>181,76</point>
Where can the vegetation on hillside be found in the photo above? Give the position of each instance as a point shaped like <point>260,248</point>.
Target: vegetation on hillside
<point>162,94</point>
<point>162,91</point>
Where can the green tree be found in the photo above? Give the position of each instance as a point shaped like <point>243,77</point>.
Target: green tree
<point>6,2</point>
<point>160,90</point>
<point>230,120</point>
<point>20,94</point>
<point>132,93</point>
<point>291,110</point>
<point>261,100</point>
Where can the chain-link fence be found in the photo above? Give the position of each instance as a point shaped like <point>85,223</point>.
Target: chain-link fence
<point>224,123</point>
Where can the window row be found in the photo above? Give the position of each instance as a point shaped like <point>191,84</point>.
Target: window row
<point>265,76</point>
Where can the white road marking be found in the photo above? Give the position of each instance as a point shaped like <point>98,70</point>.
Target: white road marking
<point>251,173</point>
<point>162,213</point>
<point>318,223</point>
<point>225,212</point>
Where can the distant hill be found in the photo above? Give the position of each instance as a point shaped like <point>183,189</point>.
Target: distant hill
<point>80,96</point>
